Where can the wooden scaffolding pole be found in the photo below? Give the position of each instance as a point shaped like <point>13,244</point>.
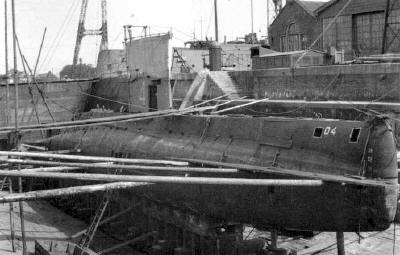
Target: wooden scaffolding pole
<point>340,243</point>
<point>12,233</point>
<point>107,165</point>
<point>165,179</point>
<point>87,189</point>
<point>93,158</point>
<point>21,207</point>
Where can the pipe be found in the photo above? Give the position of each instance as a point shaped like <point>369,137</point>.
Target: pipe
<point>166,179</point>
<point>91,158</point>
<point>41,194</point>
<point>125,167</point>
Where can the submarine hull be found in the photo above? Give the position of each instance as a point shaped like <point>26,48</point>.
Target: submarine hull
<point>350,148</point>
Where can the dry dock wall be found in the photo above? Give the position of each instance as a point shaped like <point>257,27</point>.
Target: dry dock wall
<point>63,98</point>
<point>338,82</point>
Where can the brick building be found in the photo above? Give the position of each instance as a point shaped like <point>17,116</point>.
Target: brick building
<point>359,29</point>
<point>295,27</point>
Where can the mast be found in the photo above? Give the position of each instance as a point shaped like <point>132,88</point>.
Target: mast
<point>21,207</point>
<point>6,65</point>
<point>216,19</point>
<point>252,20</point>
<point>267,37</point>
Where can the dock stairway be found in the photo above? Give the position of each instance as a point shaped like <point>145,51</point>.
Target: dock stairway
<point>225,83</point>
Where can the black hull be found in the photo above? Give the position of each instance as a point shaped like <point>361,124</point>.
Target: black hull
<point>331,207</point>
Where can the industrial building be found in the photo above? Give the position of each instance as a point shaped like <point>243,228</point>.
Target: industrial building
<point>359,29</point>
<point>295,27</point>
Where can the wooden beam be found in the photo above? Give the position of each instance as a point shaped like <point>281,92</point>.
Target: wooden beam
<point>293,173</point>
<point>107,165</point>
<point>165,179</point>
<point>93,158</point>
<point>42,194</point>
<point>51,169</point>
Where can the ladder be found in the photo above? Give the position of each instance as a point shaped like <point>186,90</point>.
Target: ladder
<point>87,237</point>
<point>3,184</point>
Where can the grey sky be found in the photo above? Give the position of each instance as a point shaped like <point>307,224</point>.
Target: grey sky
<point>183,16</point>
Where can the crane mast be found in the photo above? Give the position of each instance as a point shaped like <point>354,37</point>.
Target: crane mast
<point>82,31</point>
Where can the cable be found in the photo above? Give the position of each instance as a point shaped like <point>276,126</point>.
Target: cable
<point>209,19</point>
<point>69,12</point>
<point>323,32</point>
<point>62,35</point>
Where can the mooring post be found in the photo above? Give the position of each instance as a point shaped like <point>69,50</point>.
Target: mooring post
<point>340,243</point>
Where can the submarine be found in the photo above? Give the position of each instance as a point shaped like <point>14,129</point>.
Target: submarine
<point>356,160</point>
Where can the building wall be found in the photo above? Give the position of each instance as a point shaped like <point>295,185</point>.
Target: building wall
<point>63,98</point>
<point>149,63</point>
<point>111,63</point>
<point>359,30</point>
<point>150,56</point>
<point>305,24</point>
<point>123,94</point>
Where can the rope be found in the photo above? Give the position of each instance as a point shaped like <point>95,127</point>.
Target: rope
<point>61,32</point>
<point>323,32</point>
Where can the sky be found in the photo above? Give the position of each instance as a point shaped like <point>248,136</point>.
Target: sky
<point>188,19</point>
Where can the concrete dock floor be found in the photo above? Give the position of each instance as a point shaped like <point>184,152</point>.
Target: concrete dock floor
<point>324,243</point>
<point>45,222</point>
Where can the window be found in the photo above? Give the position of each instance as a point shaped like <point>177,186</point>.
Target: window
<point>355,135</point>
<point>318,132</point>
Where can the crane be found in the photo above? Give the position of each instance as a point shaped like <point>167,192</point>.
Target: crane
<point>82,31</point>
